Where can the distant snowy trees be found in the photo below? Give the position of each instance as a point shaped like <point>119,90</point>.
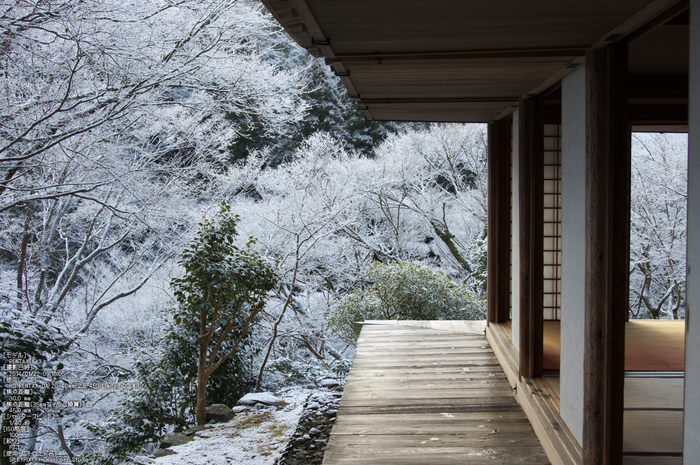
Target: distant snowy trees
<point>330,213</point>
<point>114,116</point>
<point>659,225</point>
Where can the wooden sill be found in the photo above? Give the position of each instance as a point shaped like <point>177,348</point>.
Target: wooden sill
<point>537,400</point>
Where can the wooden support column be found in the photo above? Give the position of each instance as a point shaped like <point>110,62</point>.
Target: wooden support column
<point>531,145</point>
<point>608,158</point>
<point>498,263</point>
<point>691,425</point>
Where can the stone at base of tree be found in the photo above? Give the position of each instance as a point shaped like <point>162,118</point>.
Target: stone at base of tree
<point>174,439</point>
<point>219,413</point>
<point>164,453</point>
<point>265,398</point>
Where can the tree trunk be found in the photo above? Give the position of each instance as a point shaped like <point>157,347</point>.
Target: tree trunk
<point>258,381</point>
<point>202,400</point>
<point>202,379</point>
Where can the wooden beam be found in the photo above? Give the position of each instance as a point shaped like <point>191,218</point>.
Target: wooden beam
<point>634,23</point>
<point>318,37</point>
<point>679,11</point>
<point>289,18</point>
<point>544,52</point>
<point>399,100</point>
<point>498,263</point>
<point>608,172</point>
<point>531,146</point>
<point>554,79</point>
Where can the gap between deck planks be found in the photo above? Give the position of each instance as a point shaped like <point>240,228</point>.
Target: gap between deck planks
<point>421,395</point>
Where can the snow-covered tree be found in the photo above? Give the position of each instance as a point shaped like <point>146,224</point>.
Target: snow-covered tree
<point>432,182</point>
<point>658,225</point>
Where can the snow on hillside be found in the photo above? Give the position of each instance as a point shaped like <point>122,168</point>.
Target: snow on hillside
<point>256,436</point>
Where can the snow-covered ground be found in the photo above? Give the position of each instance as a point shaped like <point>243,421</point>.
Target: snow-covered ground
<point>256,436</point>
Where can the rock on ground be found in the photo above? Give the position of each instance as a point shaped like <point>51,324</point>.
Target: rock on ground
<point>265,398</point>
<point>219,413</point>
<point>174,439</point>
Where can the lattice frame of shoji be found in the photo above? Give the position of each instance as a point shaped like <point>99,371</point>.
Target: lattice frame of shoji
<point>552,222</point>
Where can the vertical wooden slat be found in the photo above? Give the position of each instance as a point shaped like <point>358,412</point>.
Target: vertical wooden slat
<point>531,198</point>
<point>608,158</point>
<point>498,263</point>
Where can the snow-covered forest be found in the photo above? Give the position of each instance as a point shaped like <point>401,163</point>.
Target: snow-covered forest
<point>124,124</point>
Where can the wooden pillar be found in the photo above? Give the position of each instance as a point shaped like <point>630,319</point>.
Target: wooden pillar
<point>498,263</point>
<point>608,172</point>
<point>531,145</point>
<point>691,418</point>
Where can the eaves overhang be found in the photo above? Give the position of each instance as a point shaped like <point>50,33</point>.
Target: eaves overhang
<point>456,60</point>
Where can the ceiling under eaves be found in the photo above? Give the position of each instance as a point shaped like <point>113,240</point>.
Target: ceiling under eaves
<point>455,60</point>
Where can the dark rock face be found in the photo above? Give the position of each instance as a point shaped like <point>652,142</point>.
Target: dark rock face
<point>219,413</point>
<point>311,437</point>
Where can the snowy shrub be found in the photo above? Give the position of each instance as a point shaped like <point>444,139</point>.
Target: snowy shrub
<point>405,291</point>
<point>166,394</point>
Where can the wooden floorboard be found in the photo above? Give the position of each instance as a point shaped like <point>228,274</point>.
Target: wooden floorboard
<point>417,395</point>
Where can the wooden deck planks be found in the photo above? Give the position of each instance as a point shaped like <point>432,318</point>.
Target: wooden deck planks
<point>419,395</point>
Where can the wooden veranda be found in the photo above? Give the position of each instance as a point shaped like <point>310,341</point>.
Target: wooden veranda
<point>418,394</point>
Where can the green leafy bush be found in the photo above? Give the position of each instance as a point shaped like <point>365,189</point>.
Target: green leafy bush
<point>405,291</point>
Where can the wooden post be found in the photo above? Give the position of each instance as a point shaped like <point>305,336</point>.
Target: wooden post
<point>608,158</point>
<point>531,145</point>
<point>498,263</point>
<point>691,404</point>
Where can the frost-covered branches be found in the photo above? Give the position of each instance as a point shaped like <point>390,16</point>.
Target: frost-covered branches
<point>71,68</point>
<point>659,224</point>
<point>437,178</point>
<point>112,113</point>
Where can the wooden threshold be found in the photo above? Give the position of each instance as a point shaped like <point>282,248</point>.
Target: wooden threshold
<point>538,402</point>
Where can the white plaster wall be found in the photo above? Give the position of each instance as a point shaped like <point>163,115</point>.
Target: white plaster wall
<point>515,237</point>
<point>573,259</point>
<point>691,440</point>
